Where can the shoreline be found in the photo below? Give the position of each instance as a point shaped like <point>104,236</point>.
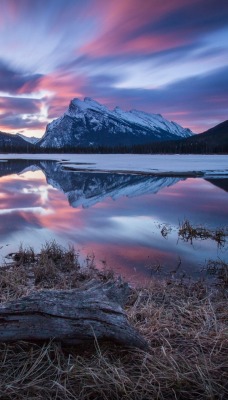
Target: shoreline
<point>184,324</point>
<point>168,174</point>
<point>154,165</point>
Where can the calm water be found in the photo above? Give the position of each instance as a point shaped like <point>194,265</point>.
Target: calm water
<point>116,217</point>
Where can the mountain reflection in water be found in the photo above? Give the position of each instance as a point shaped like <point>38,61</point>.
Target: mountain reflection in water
<point>87,189</point>
<point>125,233</point>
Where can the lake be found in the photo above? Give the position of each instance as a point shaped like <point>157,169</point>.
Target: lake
<point>129,222</point>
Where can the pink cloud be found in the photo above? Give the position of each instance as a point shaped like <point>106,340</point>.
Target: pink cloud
<point>122,22</point>
<point>63,88</point>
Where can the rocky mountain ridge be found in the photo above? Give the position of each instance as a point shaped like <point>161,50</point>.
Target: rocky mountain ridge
<point>88,126</point>
<point>89,123</point>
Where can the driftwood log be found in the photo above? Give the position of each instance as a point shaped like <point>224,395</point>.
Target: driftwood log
<point>71,316</point>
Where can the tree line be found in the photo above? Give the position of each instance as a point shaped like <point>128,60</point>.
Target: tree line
<point>171,147</point>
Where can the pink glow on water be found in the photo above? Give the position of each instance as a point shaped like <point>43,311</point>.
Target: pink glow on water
<point>124,234</point>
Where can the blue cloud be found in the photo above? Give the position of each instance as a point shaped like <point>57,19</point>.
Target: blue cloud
<point>13,81</point>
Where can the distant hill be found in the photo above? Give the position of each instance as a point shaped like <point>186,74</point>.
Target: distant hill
<point>13,143</point>
<point>212,141</point>
<point>221,129</point>
<point>215,138</point>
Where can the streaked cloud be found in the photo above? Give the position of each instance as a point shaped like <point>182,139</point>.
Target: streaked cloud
<point>17,82</point>
<point>167,57</point>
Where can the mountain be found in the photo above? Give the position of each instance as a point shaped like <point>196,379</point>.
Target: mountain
<point>10,142</point>
<point>221,130</point>
<point>89,123</point>
<point>32,140</point>
<point>214,140</point>
<point>216,137</point>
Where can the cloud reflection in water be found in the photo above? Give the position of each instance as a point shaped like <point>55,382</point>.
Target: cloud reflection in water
<point>117,217</point>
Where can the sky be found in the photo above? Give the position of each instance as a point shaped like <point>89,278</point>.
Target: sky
<point>159,56</point>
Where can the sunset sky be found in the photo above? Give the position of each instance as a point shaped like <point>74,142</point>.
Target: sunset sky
<point>160,56</point>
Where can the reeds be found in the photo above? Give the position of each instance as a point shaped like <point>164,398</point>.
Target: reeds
<point>188,232</point>
<point>184,324</point>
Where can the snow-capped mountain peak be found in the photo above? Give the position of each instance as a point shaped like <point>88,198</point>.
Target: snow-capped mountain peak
<point>87,122</point>
<point>77,105</point>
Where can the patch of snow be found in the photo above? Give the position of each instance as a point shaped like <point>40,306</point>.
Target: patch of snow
<point>88,103</point>
<point>210,165</point>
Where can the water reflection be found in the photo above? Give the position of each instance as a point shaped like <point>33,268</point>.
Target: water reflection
<point>86,189</point>
<point>118,217</point>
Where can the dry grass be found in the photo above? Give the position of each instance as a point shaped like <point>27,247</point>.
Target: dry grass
<point>185,326</point>
<point>188,232</point>
<point>12,283</point>
<point>218,269</point>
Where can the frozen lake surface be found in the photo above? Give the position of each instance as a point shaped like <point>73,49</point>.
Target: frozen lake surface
<point>154,164</point>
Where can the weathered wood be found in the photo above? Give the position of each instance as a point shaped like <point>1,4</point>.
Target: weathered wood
<point>72,316</point>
